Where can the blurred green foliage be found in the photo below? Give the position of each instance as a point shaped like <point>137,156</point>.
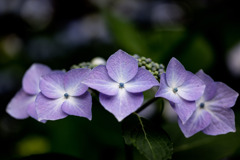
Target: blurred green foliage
<point>207,32</point>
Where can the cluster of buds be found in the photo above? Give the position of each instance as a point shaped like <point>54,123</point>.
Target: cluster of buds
<point>155,68</point>
<point>83,65</point>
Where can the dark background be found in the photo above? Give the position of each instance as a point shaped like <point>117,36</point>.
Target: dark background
<point>201,34</point>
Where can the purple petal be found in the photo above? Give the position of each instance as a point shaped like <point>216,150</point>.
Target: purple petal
<point>223,121</point>
<point>19,104</point>
<point>52,84</point>
<point>210,89</point>
<point>32,111</point>
<point>73,81</point>
<point>166,92</point>
<point>32,77</point>
<point>197,122</point>
<point>225,96</point>
<point>122,104</point>
<point>143,81</point>
<point>192,89</point>
<point>99,79</point>
<point>121,66</point>
<point>184,110</point>
<point>175,73</point>
<point>79,106</point>
<point>49,109</point>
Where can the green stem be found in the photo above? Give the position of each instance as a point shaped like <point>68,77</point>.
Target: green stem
<point>146,104</point>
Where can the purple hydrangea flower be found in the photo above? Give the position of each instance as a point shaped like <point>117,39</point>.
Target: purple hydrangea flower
<point>182,88</point>
<point>213,114</point>
<point>22,104</point>
<point>120,83</point>
<point>62,94</point>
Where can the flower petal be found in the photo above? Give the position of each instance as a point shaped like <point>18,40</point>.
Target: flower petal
<point>192,89</point>
<point>79,106</point>
<point>223,121</point>
<point>73,81</point>
<point>32,77</point>
<point>166,92</point>
<point>197,122</point>
<point>52,84</point>
<point>32,111</point>
<point>143,81</point>
<point>225,96</point>
<point>122,104</point>
<point>49,109</point>
<point>184,109</point>
<point>99,79</point>
<point>210,89</point>
<point>121,66</point>
<point>19,104</point>
<point>175,73</point>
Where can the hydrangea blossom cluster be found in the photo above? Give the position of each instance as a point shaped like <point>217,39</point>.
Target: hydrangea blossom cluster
<point>22,104</point>
<point>51,95</point>
<point>213,114</point>
<point>200,103</point>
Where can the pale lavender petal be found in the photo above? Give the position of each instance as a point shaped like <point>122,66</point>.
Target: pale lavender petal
<point>166,92</point>
<point>52,84</point>
<point>122,104</point>
<point>175,73</point>
<point>143,81</point>
<point>225,96</point>
<point>192,89</point>
<point>79,106</point>
<point>121,66</point>
<point>184,110</point>
<point>32,111</point>
<point>223,121</point>
<point>49,109</point>
<point>210,89</point>
<point>19,104</point>
<point>99,80</point>
<point>32,77</point>
<point>73,81</point>
<point>197,122</point>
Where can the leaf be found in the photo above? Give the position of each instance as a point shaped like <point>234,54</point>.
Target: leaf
<point>126,34</point>
<point>151,141</point>
<point>48,156</point>
<point>198,54</point>
<point>200,145</point>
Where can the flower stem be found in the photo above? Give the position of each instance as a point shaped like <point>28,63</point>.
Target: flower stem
<point>146,104</point>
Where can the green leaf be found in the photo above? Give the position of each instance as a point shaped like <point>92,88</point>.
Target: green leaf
<point>125,34</point>
<point>151,141</point>
<point>198,54</point>
<point>202,146</point>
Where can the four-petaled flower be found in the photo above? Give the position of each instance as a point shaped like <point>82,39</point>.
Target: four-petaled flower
<point>22,104</point>
<point>120,83</point>
<point>213,114</point>
<point>182,88</point>
<point>62,94</point>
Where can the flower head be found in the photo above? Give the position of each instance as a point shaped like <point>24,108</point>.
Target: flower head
<point>213,114</point>
<point>22,104</point>
<point>120,83</point>
<point>63,94</point>
<point>182,88</point>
